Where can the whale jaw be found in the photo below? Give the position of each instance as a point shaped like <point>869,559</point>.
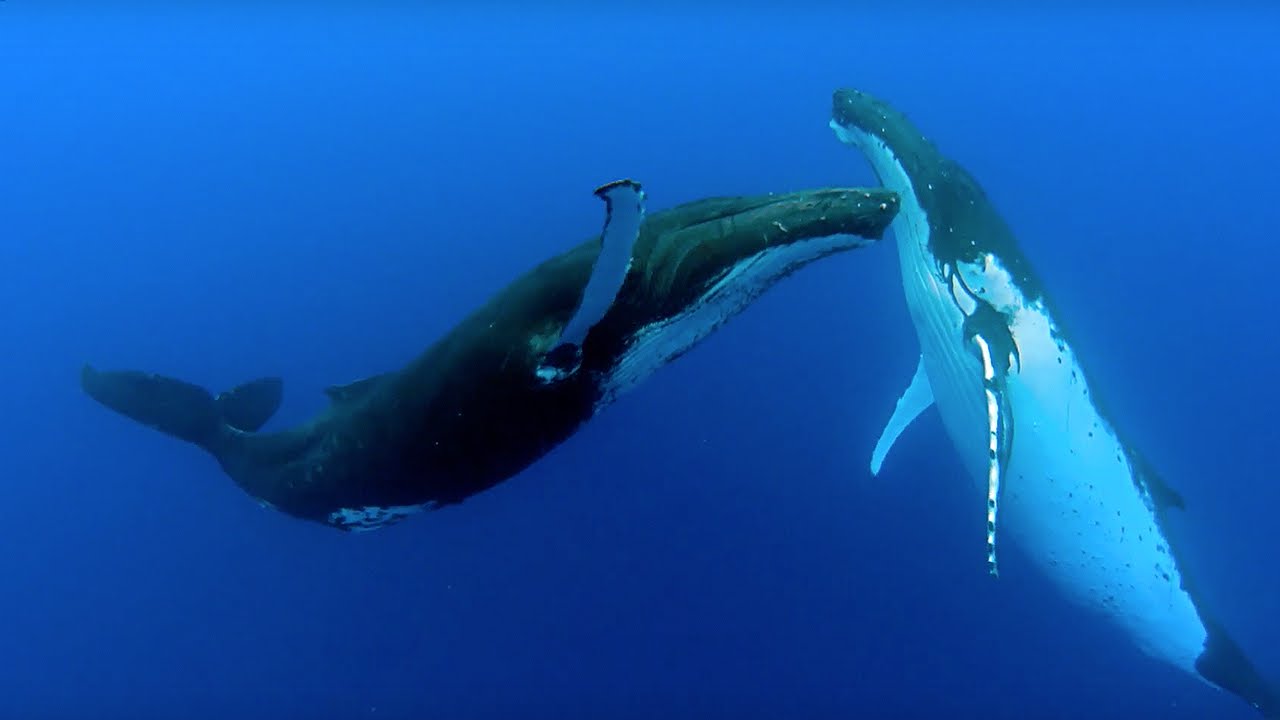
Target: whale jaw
<point>719,257</point>
<point>656,344</point>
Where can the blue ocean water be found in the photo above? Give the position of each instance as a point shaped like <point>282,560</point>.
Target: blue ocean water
<point>319,191</point>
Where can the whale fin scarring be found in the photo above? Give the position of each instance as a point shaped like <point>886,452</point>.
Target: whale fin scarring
<point>917,398</point>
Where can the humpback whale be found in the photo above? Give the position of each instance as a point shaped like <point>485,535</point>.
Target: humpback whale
<point>1054,469</point>
<point>520,374</point>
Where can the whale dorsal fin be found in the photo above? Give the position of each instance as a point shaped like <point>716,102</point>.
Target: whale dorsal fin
<point>916,399</point>
<point>1162,494</point>
<point>353,391</point>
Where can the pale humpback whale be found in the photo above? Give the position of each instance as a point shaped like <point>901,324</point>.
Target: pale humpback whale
<point>1057,474</point>
<point>520,374</point>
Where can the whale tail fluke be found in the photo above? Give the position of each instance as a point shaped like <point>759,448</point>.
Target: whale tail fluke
<point>1224,663</point>
<point>181,409</point>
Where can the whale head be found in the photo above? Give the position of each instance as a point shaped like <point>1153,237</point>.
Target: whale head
<point>699,264</point>
<point>946,213</point>
<point>684,254</point>
<point>883,132</point>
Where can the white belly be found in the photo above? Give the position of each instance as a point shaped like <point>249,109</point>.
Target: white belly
<point>1070,499</point>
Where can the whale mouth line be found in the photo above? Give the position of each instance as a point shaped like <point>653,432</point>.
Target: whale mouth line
<point>724,296</point>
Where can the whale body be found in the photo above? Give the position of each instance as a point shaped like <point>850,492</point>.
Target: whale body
<point>520,374</point>
<point>1054,469</point>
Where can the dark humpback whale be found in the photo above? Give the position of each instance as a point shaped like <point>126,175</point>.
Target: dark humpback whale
<point>1010,387</point>
<point>520,374</point>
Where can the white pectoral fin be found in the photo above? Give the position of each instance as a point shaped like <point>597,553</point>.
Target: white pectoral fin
<point>624,214</point>
<point>917,398</point>
<point>624,203</point>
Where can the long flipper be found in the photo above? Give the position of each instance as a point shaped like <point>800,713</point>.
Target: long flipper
<point>915,400</point>
<point>995,468</point>
<point>624,212</point>
<point>993,342</point>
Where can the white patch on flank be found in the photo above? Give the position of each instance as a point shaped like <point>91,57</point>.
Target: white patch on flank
<point>371,517</point>
<point>1070,498</point>
<point>657,344</point>
<point>1073,498</point>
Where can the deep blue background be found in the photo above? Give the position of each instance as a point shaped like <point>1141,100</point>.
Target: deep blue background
<point>319,191</point>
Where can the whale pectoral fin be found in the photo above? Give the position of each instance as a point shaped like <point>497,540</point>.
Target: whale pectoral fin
<point>916,399</point>
<point>249,406</point>
<point>624,213</point>
<point>999,442</point>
